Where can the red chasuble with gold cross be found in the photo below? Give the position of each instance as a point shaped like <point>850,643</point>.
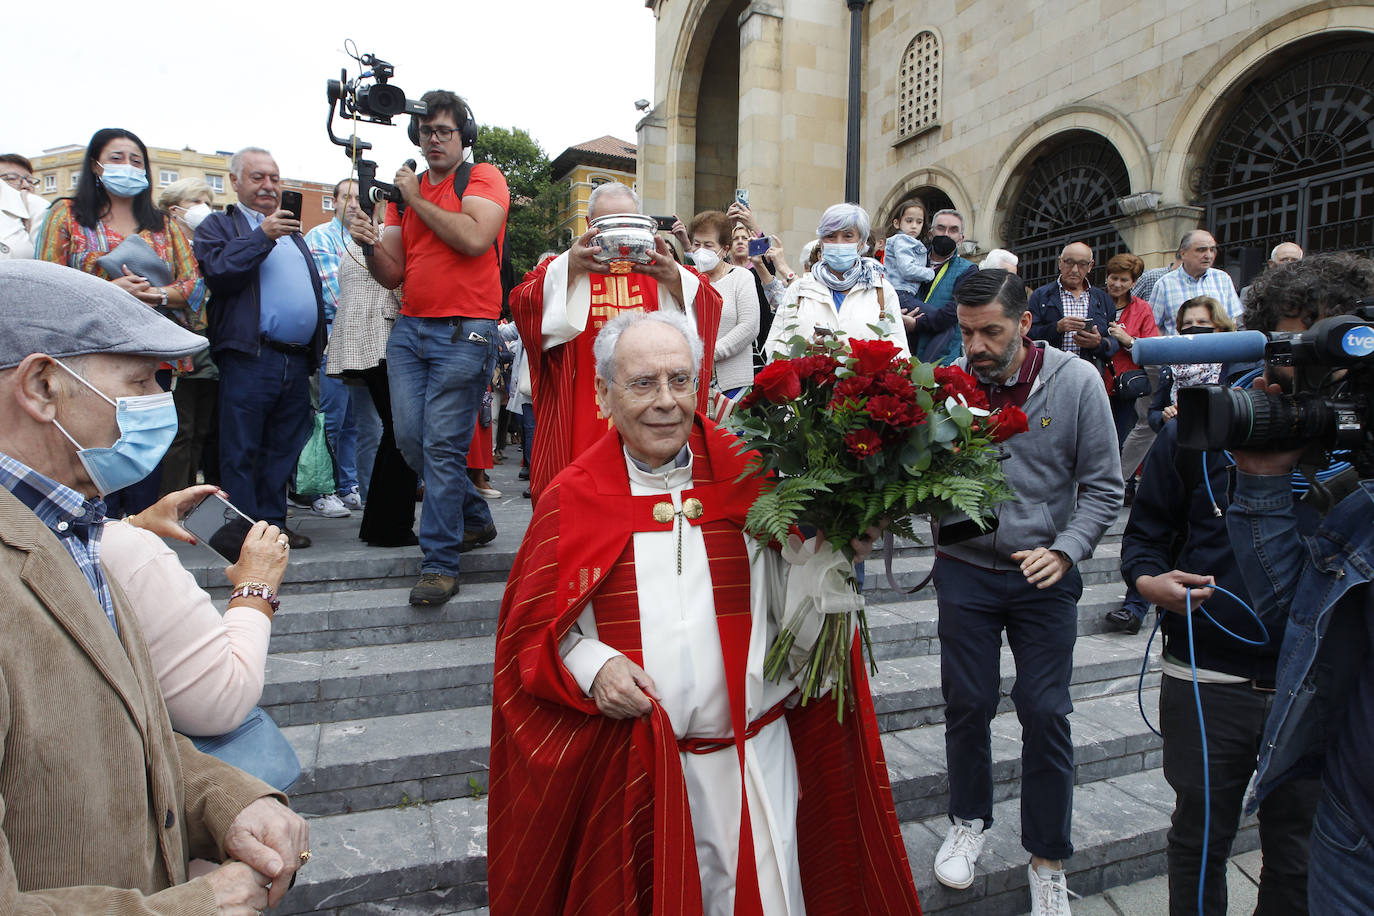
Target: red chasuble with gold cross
<point>589,814</point>
<point>567,419</point>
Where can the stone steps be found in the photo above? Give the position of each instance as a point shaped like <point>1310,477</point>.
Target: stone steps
<point>383,616</point>
<point>431,756</point>
<point>333,685</point>
<point>429,858</point>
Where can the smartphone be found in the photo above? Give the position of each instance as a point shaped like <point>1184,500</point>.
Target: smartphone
<point>742,196</point>
<point>218,524</point>
<point>665,222</point>
<point>758,247</point>
<point>291,200</point>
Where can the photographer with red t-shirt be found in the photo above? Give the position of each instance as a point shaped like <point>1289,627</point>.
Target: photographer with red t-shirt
<point>442,349</point>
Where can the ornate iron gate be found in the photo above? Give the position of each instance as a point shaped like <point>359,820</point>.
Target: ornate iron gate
<point>1069,196</point>
<point>1295,160</point>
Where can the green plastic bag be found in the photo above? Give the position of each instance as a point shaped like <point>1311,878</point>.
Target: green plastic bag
<point>315,468</point>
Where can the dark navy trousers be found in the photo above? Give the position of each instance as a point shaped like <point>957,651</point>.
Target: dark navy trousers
<point>976,605</point>
<point>265,419</point>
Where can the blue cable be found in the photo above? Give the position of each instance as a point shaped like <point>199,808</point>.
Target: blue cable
<point>1201,722</point>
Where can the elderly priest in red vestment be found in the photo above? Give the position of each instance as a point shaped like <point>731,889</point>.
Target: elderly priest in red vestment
<point>559,308</point>
<point>640,761</point>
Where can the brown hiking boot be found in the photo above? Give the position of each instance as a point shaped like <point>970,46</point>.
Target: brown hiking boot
<point>433,589</point>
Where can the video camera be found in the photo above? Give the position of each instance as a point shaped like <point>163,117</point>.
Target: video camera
<point>1332,404</point>
<point>375,102</point>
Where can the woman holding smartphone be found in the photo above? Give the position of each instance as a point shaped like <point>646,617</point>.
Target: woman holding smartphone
<point>113,212</point>
<point>739,314</point>
<point>209,667</point>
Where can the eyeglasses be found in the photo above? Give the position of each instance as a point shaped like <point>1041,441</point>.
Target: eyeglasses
<point>645,388</point>
<point>1081,265</point>
<point>442,134</point>
<point>15,180</point>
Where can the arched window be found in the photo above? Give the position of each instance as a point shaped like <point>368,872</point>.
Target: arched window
<point>1069,195</point>
<point>1294,161</point>
<point>918,86</point>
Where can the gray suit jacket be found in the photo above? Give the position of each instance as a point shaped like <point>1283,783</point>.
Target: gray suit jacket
<point>101,804</point>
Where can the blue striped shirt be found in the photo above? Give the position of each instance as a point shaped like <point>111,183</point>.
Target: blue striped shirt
<point>1177,287</point>
<point>326,243</point>
<point>76,520</point>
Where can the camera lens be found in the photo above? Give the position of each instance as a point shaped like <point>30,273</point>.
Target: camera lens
<point>1216,417</point>
<point>382,100</point>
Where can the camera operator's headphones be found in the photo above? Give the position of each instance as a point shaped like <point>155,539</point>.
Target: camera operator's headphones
<point>467,131</point>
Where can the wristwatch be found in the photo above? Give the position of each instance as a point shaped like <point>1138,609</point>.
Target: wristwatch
<point>163,291</point>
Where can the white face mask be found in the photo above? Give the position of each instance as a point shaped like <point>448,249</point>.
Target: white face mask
<point>195,215</point>
<point>706,260</point>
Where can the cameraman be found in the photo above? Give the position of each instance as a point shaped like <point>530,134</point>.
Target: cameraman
<point>442,349</point>
<point>1322,721</point>
<point>1176,537</point>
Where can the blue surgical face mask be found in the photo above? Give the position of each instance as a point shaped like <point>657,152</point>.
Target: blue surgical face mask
<point>123,180</point>
<point>839,256</point>
<point>147,426</point>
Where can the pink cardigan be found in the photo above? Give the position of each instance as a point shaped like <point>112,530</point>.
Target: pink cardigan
<point>210,668</point>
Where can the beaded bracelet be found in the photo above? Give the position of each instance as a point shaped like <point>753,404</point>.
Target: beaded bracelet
<point>256,590</point>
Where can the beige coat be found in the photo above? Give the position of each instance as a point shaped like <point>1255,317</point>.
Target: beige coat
<point>101,804</point>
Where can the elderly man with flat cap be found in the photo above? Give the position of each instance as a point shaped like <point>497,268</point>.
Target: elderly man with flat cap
<point>101,804</point>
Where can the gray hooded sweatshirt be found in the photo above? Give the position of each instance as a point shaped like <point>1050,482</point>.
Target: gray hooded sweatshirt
<point>1065,467</point>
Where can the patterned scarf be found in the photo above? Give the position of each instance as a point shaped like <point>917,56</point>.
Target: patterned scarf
<point>865,272</point>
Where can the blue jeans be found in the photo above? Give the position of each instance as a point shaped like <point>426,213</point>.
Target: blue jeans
<point>527,430</point>
<point>975,606</point>
<point>265,419</point>
<point>340,429</point>
<point>1340,867</point>
<point>258,748</point>
<point>439,369</point>
<point>369,424</point>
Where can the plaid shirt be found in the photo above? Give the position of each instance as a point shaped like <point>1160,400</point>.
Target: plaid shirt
<point>1074,305</point>
<point>1177,287</point>
<point>76,520</point>
<point>326,242</point>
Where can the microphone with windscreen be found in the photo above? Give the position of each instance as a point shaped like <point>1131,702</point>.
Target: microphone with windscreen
<point>1223,347</point>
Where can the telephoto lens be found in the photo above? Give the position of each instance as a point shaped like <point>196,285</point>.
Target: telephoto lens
<point>1217,417</point>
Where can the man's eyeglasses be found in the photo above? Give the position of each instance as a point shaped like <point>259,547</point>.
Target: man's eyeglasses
<point>442,134</point>
<point>15,180</point>
<point>1081,265</point>
<point>646,388</point>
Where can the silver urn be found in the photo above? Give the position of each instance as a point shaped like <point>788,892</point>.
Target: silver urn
<point>625,239</point>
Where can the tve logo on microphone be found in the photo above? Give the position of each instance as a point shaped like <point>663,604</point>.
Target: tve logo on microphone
<point>1359,341</point>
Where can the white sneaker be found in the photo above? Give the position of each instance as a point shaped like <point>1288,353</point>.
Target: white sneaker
<point>330,506</point>
<point>351,500</point>
<point>489,492</point>
<point>1049,890</point>
<point>959,853</point>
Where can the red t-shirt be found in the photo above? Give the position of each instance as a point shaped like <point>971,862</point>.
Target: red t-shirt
<point>440,282</point>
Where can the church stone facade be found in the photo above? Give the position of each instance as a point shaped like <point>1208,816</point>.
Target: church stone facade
<point>1120,122</point>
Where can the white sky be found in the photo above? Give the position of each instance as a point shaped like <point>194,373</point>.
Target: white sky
<point>225,75</point>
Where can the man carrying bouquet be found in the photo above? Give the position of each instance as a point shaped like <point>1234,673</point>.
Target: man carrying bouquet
<point>640,761</point>
<point>1021,577</point>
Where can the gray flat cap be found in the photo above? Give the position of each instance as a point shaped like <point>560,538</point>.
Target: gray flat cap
<point>60,311</point>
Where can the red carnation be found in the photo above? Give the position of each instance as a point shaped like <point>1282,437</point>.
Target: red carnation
<point>778,382</point>
<point>1007,422</point>
<point>955,381</point>
<point>897,385</point>
<point>819,369</point>
<point>873,355</point>
<point>856,386</point>
<point>862,443</point>
<point>886,409</point>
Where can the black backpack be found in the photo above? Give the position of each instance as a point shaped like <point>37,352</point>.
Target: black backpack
<point>460,184</point>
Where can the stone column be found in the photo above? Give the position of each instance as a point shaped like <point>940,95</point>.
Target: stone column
<point>651,171</point>
<point>1153,237</point>
<point>760,111</point>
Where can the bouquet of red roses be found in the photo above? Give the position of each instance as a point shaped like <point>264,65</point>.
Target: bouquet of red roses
<point>849,435</point>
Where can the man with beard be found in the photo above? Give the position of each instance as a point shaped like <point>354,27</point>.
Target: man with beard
<point>1020,577</point>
